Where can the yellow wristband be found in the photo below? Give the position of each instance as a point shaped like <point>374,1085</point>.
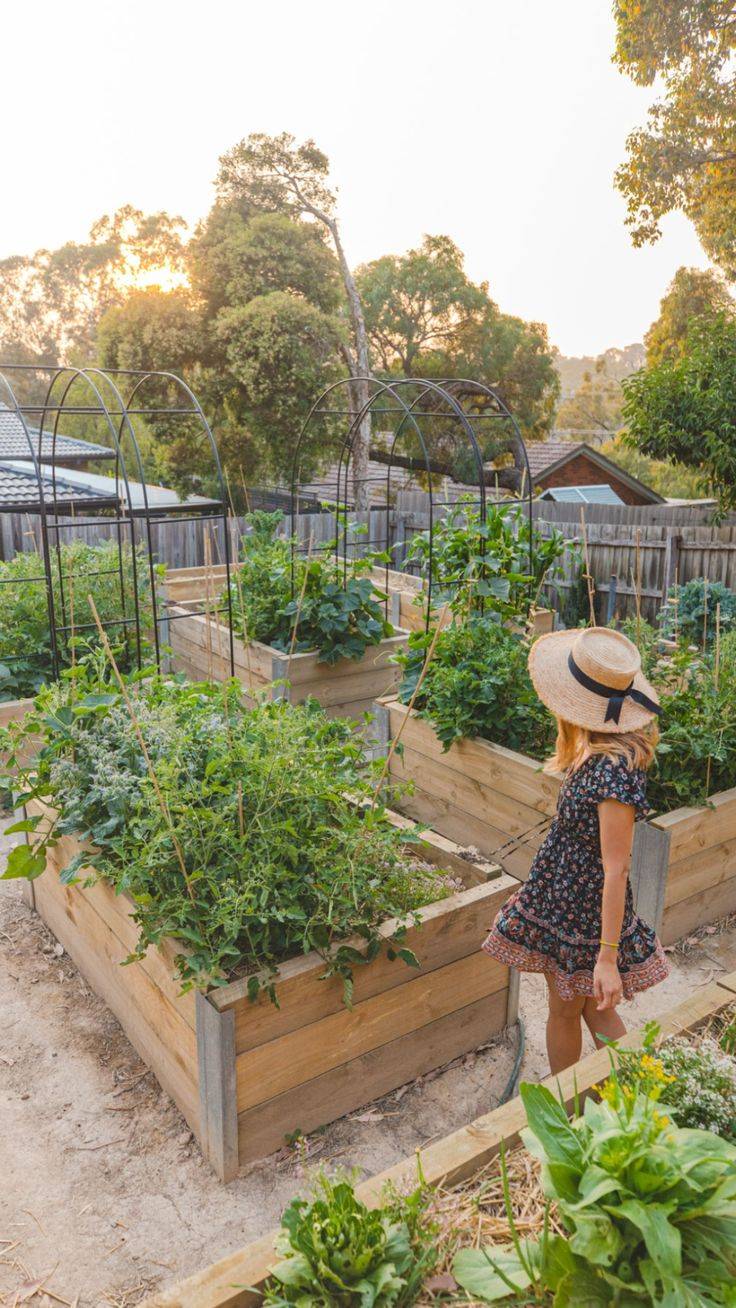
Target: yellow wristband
<point>609,944</point>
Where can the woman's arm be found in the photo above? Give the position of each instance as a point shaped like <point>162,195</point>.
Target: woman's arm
<point>616,822</point>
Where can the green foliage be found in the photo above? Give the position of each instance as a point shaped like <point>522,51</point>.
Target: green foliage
<point>336,1253</point>
<point>694,612</point>
<point>684,409</point>
<point>25,638</point>
<point>499,561</point>
<point>293,602</point>
<point>694,1082</point>
<point>669,479</point>
<point>692,293</point>
<point>696,755</point>
<point>683,158</point>
<point>648,1211</point>
<point>246,850</point>
<point>478,685</point>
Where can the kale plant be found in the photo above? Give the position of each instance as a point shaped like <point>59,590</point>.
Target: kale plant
<point>478,685</point>
<point>299,603</point>
<point>693,612</point>
<point>25,638</point>
<point>233,833</point>
<point>337,1253</point>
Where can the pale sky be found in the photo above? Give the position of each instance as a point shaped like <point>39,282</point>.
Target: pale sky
<point>498,124</point>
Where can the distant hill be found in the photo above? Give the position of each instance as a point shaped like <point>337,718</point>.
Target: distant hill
<point>618,364</point>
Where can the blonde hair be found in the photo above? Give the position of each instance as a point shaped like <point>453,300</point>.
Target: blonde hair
<point>574,744</point>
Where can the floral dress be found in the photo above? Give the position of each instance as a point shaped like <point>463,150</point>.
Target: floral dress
<point>553,924</point>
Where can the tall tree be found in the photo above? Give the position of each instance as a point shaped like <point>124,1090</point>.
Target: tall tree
<point>685,156</point>
<point>683,409</point>
<point>275,174</point>
<point>594,411</point>
<point>692,293</point>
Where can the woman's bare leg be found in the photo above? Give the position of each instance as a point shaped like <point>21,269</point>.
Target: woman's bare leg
<point>564,1032</point>
<point>607,1024</point>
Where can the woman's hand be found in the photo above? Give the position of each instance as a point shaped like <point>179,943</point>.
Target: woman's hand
<point>607,987</point>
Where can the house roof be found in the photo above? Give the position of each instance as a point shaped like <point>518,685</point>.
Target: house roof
<point>548,457</point>
<point>602,494</point>
<point>19,492</point>
<point>66,449</point>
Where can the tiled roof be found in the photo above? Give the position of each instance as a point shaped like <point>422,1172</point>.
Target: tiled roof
<point>19,491</point>
<point>542,454</point>
<point>14,443</point>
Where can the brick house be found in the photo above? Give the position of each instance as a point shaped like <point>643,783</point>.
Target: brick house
<point>570,463</point>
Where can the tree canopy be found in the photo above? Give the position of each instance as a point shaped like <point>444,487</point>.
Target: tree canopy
<point>682,409</point>
<point>693,293</point>
<point>685,156</point>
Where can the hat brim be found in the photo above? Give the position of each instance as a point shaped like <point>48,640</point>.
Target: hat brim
<point>563,695</point>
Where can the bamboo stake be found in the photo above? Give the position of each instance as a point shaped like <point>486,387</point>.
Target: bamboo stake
<point>637,587</point>
<point>207,604</point>
<point>705,612</point>
<point>144,749</point>
<point>587,574</point>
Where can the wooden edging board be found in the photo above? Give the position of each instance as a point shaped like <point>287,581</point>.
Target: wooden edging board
<point>247,1073</point>
<point>683,868</point>
<point>233,1281</point>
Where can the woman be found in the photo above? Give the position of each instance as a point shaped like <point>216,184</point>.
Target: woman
<point>574,918</point>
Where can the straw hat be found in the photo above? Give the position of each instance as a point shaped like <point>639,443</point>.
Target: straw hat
<point>592,677</point>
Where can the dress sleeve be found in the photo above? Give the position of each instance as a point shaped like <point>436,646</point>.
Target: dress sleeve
<point>612,779</point>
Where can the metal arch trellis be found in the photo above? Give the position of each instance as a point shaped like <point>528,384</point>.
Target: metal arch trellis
<point>129,511</point>
<point>417,405</point>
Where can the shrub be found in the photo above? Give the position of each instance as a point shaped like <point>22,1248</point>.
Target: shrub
<point>478,685</point>
<point>25,638</point>
<point>300,604</point>
<point>336,1253</point>
<point>245,848</point>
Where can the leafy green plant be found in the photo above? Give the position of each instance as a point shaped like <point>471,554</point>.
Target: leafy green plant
<point>477,685</point>
<point>497,565</point>
<point>693,612</point>
<point>337,1253</point>
<point>233,833</point>
<point>696,1082</point>
<point>648,1211</point>
<point>300,603</point>
<point>696,755</point>
<point>25,638</point>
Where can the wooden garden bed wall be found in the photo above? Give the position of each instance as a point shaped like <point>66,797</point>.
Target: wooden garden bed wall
<point>246,1074</point>
<point>348,688</point>
<point>453,1159</point>
<point>683,864</point>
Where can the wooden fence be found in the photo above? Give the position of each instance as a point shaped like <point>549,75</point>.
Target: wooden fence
<point>625,556</point>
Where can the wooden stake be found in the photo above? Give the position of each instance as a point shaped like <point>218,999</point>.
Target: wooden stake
<point>587,574</point>
<point>637,586</point>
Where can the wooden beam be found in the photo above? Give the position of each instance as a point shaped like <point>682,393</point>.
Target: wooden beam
<point>217,1087</point>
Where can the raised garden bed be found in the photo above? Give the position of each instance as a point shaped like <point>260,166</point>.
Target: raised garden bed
<point>245,1074</point>
<point>234,1281</point>
<point>12,710</point>
<point>683,864</point>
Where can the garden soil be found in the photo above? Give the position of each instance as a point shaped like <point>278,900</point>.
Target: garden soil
<point>103,1192</point>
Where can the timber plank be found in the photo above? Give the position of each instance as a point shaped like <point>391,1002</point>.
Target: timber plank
<point>698,910</point>
<point>463,793</point>
<point>312,1050</point>
<point>701,872</point>
<point>450,929</point>
<point>307,1106</point>
<point>694,829</point>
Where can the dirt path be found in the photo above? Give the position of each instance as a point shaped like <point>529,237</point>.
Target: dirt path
<point>104,1194</point>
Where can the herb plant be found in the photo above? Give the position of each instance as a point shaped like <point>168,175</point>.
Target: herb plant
<point>337,1253</point>
<point>25,639</point>
<point>477,685</point>
<point>296,603</point>
<point>648,1211</point>
<point>696,1082</point>
<point>235,836</point>
<point>497,565</point>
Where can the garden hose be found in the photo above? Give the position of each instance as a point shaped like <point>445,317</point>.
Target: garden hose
<point>511,1083</point>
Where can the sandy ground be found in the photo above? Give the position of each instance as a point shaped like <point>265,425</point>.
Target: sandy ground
<point>103,1193</point>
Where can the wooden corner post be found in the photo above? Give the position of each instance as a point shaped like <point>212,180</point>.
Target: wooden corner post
<point>217,1088</point>
<point>650,862</point>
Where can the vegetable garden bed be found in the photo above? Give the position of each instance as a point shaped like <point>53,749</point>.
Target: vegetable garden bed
<point>683,864</point>
<point>235,1281</point>
<point>245,1073</point>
